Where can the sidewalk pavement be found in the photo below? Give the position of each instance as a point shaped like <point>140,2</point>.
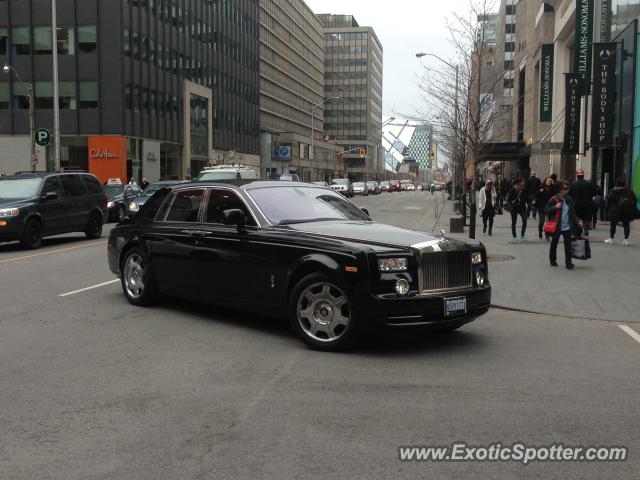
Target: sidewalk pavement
<point>605,287</point>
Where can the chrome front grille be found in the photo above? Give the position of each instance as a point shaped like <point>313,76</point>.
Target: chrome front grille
<point>446,270</point>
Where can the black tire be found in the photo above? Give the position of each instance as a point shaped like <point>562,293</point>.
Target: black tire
<point>122,214</point>
<point>32,235</point>
<point>341,323</point>
<point>139,285</point>
<point>94,227</point>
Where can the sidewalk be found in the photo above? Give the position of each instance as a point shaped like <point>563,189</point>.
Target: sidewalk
<point>605,287</point>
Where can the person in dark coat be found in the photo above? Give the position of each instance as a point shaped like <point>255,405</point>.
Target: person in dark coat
<point>621,207</point>
<point>582,196</point>
<point>533,185</point>
<point>560,208</point>
<point>543,196</point>
<point>598,204</point>
<point>517,205</point>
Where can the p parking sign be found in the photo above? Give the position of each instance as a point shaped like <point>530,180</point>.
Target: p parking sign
<point>43,137</point>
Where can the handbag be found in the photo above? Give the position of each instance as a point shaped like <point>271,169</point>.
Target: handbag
<point>581,249</point>
<point>550,226</point>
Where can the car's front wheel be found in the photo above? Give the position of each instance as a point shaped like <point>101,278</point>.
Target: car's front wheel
<point>321,314</point>
<point>31,235</point>
<point>138,283</point>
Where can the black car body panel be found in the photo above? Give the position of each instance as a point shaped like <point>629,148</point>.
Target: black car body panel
<point>255,268</point>
<point>73,197</point>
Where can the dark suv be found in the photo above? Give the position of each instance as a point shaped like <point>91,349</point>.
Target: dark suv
<point>36,205</point>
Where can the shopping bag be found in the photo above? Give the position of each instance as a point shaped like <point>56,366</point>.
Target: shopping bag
<point>581,249</point>
<point>550,226</point>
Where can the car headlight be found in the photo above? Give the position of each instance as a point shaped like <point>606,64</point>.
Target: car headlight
<point>110,204</point>
<point>392,264</point>
<point>133,206</point>
<point>9,212</point>
<point>476,258</point>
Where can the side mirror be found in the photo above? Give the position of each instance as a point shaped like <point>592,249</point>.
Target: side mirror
<point>235,217</point>
<point>366,212</point>
<point>51,196</point>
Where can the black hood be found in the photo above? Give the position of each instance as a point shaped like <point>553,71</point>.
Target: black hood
<point>14,202</point>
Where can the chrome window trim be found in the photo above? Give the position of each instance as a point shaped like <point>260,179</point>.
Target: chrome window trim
<point>234,191</point>
<point>173,195</point>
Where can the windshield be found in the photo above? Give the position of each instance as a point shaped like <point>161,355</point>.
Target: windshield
<point>287,205</point>
<point>19,189</point>
<point>218,175</point>
<point>340,181</point>
<point>154,187</point>
<point>358,184</point>
<point>113,190</point>
<point>371,184</point>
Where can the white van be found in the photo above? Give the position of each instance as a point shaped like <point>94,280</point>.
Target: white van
<point>227,172</point>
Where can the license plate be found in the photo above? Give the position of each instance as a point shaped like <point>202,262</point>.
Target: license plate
<point>455,306</point>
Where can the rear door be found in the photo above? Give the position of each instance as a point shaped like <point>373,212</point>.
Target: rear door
<point>95,198</point>
<point>75,197</point>
<point>52,211</point>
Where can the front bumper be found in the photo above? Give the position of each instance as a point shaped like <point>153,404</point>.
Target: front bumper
<point>11,230</point>
<point>425,310</point>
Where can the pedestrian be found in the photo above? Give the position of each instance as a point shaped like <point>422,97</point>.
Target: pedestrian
<point>598,204</point>
<point>517,205</point>
<point>132,182</point>
<point>505,186</point>
<point>621,207</point>
<point>533,185</point>
<point>487,201</point>
<point>187,178</point>
<point>543,196</point>
<point>582,195</point>
<point>145,183</point>
<point>554,177</point>
<point>560,210</point>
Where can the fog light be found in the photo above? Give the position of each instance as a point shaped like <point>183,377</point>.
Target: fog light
<point>480,279</point>
<point>402,287</point>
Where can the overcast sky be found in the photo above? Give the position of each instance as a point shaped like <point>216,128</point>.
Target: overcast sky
<point>404,27</point>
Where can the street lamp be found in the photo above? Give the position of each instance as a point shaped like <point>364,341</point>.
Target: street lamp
<point>7,69</point>
<point>456,120</point>
<point>311,152</point>
<point>56,88</point>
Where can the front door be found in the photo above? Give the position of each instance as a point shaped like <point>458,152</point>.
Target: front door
<point>53,211</point>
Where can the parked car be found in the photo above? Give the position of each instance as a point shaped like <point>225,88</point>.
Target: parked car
<point>404,185</point>
<point>411,187</point>
<point>297,251</point>
<point>374,188</point>
<point>321,184</point>
<point>287,177</point>
<point>342,186</point>
<point>384,186</point>
<point>360,188</point>
<point>118,199</point>
<point>394,186</point>
<point>37,205</point>
<point>227,172</point>
<point>135,204</point>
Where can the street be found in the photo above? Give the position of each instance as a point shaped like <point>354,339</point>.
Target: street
<point>93,387</point>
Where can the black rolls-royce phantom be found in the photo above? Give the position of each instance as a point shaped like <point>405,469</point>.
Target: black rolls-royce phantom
<point>301,251</point>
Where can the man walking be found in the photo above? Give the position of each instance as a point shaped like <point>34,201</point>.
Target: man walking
<point>533,185</point>
<point>582,195</point>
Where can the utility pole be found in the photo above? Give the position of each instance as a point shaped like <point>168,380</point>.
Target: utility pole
<point>56,91</point>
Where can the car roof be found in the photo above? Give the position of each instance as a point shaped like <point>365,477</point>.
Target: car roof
<point>246,184</point>
<point>23,175</point>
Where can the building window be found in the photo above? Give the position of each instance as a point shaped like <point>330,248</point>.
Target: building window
<point>42,41</point>
<point>4,95</point>
<point>127,42</point>
<point>21,40</point>
<point>89,95</point>
<point>127,96</point>
<point>136,99</point>
<point>135,47</point>
<point>4,40</point>
<point>67,94</point>
<point>66,41</point>
<point>87,39</point>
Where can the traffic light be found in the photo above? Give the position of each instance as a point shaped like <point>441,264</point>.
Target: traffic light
<point>363,153</point>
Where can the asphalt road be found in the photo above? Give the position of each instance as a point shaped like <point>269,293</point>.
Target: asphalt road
<point>94,388</point>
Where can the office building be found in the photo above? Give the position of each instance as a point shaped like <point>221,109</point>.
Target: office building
<point>353,63</point>
<point>162,87</point>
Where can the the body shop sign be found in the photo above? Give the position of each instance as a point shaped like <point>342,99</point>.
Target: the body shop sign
<point>604,82</point>
<point>108,158</point>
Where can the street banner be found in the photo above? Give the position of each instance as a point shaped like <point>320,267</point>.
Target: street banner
<point>572,113</point>
<point>604,85</point>
<point>583,42</point>
<point>605,20</point>
<point>546,83</point>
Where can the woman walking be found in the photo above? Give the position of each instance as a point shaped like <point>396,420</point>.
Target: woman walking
<point>543,196</point>
<point>622,207</point>
<point>517,205</point>
<point>487,203</point>
<point>560,210</point>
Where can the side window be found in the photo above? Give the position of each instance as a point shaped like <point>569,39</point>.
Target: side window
<point>51,184</point>
<point>128,191</point>
<point>185,206</point>
<point>92,184</point>
<point>72,185</point>
<point>221,200</point>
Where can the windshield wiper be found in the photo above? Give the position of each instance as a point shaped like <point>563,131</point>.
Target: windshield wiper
<point>308,220</point>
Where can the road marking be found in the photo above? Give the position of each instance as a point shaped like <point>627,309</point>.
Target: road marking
<point>631,332</point>
<point>61,250</point>
<point>90,288</point>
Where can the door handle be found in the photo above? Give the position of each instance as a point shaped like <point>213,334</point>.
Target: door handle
<point>196,233</point>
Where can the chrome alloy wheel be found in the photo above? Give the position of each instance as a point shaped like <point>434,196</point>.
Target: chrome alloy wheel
<point>323,312</point>
<point>134,270</point>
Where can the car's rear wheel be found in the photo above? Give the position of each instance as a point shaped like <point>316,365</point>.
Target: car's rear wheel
<point>32,235</point>
<point>138,283</point>
<point>321,314</point>
<point>94,227</point>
